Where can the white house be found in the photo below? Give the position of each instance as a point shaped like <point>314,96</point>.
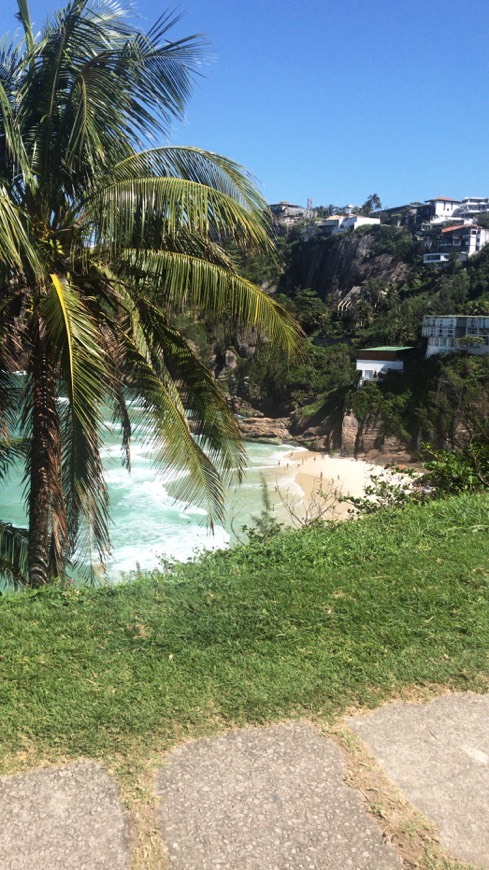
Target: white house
<point>353,221</point>
<point>473,205</point>
<point>373,363</point>
<point>452,333</point>
<point>442,208</point>
<point>464,240</point>
<point>339,223</point>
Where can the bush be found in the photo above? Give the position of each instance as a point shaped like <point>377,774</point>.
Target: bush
<point>454,471</point>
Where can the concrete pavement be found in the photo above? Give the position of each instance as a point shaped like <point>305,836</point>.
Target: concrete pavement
<point>438,755</point>
<point>271,798</point>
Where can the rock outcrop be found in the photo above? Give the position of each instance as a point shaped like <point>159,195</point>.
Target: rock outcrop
<point>345,435</point>
<point>268,430</point>
<point>368,440</point>
<point>335,264</point>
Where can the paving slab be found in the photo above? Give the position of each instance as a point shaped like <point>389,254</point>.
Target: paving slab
<point>266,799</point>
<point>438,754</point>
<point>63,817</point>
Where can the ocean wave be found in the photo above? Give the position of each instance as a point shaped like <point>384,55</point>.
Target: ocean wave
<point>178,545</point>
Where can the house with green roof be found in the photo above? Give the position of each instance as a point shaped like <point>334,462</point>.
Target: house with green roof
<point>373,363</point>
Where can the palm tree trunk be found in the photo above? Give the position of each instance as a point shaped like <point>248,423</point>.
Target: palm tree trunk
<point>47,526</point>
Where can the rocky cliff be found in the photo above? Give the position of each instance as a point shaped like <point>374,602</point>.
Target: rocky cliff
<point>342,433</point>
<point>336,264</point>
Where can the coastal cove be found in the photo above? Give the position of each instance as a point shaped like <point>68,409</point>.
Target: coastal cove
<point>148,525</point>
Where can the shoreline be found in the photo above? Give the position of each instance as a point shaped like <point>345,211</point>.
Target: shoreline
<point>307,484</point>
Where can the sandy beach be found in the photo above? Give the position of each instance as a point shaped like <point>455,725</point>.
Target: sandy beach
<point>309,484</point>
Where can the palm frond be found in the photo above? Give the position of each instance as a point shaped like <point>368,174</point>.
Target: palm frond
<point>11,394</point>
<point>196,164</point>
<point>160,74</point>
<point>16,248</point>
<point>25,19</point>
<point>191,472</point>
<point>13,142</point>
<point>11,452</point>
<point>185,282</point>
<point>103,85</point>
<point>75,342</point>
<point>14,543</point>
<point>125,212</point>
<point>205,405</point>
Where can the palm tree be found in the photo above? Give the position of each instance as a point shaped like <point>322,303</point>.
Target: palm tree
<point>103,240</point>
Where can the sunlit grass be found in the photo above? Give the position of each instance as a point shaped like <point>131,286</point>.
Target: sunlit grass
<point>308,623</point>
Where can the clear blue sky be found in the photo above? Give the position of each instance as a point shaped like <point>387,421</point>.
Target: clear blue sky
<point>337,100</point>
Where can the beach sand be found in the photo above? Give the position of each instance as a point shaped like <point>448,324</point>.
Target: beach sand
<point>307,485</point>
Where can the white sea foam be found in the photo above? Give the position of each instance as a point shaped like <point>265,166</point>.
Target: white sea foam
<point>146,520</point>
<point>174,545</point>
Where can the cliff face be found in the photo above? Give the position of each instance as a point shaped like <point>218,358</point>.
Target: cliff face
<point>350,437</point>
<point>334,432</point>
<point>368,441</point>
<point>337,263</point>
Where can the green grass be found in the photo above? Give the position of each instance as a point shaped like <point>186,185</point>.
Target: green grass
<point>309,623</point>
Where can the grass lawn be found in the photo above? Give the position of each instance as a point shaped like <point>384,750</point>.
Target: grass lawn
<point>308,623</point>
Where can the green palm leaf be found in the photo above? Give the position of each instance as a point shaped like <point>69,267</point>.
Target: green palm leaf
<point>84,371</point>
<point>16,249</point>
<point>184,282</point>
<point>195,164</point>
<point>14,554</point>
<point>14,143</point>
<point>175,449</point>
<point>125,211</point>
<point>11,452</point>
<point>205,405</point>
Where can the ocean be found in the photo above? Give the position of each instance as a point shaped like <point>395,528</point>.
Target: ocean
<point>147,525</point>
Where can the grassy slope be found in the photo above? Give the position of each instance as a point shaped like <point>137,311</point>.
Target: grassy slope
<point>310,623</point>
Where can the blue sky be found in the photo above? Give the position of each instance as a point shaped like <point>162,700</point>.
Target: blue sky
<point>337,100</point>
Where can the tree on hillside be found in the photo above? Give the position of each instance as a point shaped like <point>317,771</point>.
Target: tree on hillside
<point>102,242</point>
<point>371,204</point>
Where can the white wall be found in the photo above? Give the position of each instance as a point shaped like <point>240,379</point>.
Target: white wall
<point>370,368</point>
<point>444,334</point>
<point>354,222</point>
<point>444,209</point>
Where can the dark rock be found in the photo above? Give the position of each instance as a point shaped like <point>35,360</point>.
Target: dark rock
<point>336,264</point>
<point>266,429</point>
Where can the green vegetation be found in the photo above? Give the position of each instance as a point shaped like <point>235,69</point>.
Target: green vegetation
<point>278,386</point>
<point>443,400</point>
<point>393,291</point>
<point>463,470</point>
<point>306,623</point>
<point>102,246</point>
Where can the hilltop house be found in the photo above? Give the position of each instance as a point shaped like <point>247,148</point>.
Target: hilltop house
<point>452,333</point>
<point>441,208</point>
<point>339,223</point>
<point>464,240</point>
<point>374,362</point>
<point>432,212</point>
<point>472,206</point>
<point>288,214</point>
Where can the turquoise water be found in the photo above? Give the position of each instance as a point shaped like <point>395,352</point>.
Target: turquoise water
<point>147,524</point>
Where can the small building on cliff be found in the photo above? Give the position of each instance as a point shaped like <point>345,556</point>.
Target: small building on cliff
<point>340,223</point>
<point>373,363</point>
<point>455,333</point>
<point>463,241</point>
